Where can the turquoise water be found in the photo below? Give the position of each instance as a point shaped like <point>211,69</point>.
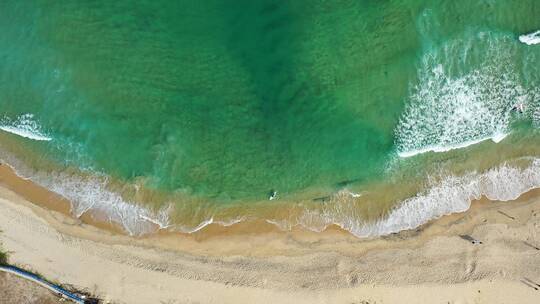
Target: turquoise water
<point>208,107</point>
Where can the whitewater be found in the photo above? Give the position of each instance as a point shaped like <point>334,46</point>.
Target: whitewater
<point>159,122</point>
<point>24,126</point>
<point>530,39</point>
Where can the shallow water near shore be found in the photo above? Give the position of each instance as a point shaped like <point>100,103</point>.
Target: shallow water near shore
<point>375,117</point>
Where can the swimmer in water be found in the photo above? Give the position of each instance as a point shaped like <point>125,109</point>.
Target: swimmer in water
<point>518,108</point>
<point>273,195</point>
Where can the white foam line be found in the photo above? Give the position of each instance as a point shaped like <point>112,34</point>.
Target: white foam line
<point>453,194</point>
<point>87,195</point>
<point>495,138</point>
<point>281,224</point>
<point>530,39</point>
<point>197,228</point>
<point>154,221</point>
<point>452,107</point>
<point>25,133</point>
<point>4,162</point>
<point>202,225</point>
<point>230,222</point>
<point>353,194</point>
<point>91,194</point>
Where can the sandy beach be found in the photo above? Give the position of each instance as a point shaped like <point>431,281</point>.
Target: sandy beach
<point>17,290</point>
<point>321,152</point>
<point>433,264</point>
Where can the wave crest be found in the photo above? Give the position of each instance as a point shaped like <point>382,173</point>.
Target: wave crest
<point>453,105</point>
<point>24,126</point>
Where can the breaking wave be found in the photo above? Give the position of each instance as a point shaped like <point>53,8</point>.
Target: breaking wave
<point>453,105</point>
<point>24,126</point>
<point>443,196</point>
<point>495,138</point>
<point>452,194</point>
<point>91,195</point>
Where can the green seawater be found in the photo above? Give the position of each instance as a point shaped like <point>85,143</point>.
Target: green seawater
<point>210,105</point>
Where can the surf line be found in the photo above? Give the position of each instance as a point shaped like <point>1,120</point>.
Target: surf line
<point>25,133</point>
<point>495,138</point>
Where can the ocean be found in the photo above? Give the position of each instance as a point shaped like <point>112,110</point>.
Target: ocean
<point>376,116</point>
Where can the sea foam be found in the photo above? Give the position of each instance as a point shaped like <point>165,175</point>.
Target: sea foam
<point>530,39</point>
<point>454,106</point>
<point>443,196</point>
<point>91,194</point>
<point>24,126</point>
<point>451,194</point>
<point>495,138</point>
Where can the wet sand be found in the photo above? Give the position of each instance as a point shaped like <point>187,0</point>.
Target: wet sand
<point>435,263</point>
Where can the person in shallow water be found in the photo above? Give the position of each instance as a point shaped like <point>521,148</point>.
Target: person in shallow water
<point>518,108</point>
<point>273,194</point>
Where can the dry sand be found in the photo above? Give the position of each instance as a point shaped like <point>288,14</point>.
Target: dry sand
<point>17,290</point>
<point>429,265</point>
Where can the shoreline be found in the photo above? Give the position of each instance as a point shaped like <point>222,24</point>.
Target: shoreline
<point>430,264</point>
<point>57,211</point>
<point>50,203</point>
<point>399,221</point>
